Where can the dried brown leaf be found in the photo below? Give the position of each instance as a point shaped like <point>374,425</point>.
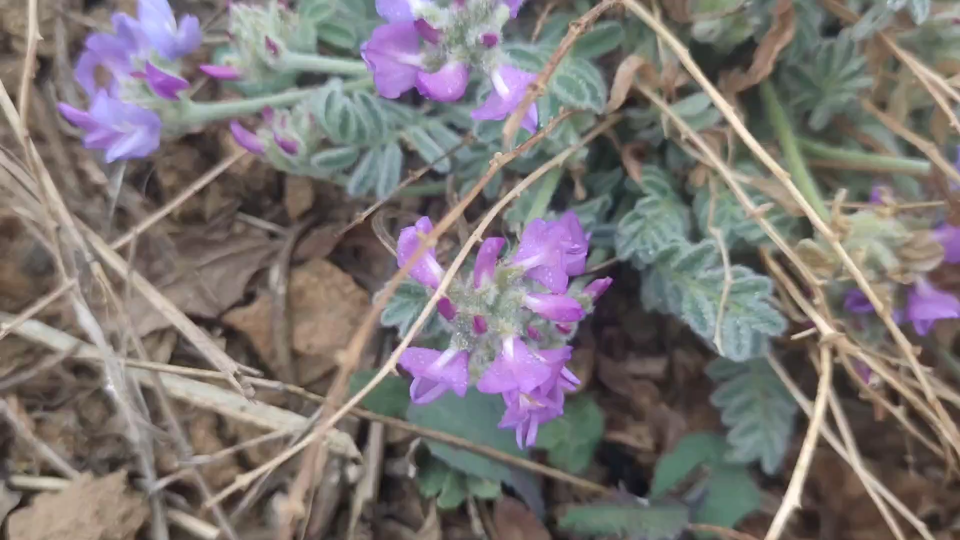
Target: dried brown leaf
<point>631,66</point>
<point>89,509</point>
<point>514,521</point>
<point>298,196</point>
<point>207,279</point>
<point>325,307</point>
<point>779,35</point>
<point>632,157</point>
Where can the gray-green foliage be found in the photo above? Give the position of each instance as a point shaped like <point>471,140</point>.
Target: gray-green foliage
<point>390,398</point>
<point>340,23</point>
<point>719,208</point>
<point>404,307</point>
<point>728,493</point>
<point>655,520</point>
<point>829,82</point>
<point>451,487</point>
<point>688,279</point>
<point>756,408</point>
<point>880,13</point>
<point>572,439</point>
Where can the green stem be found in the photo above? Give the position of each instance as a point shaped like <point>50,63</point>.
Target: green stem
<point>195,113</point>
<point>545,193</point>
<point>791,150</point>
<point>315,63</point>
<point>865,160</point>
<point>424,189</point>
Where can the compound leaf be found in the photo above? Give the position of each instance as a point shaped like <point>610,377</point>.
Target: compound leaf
<point>571,439</point>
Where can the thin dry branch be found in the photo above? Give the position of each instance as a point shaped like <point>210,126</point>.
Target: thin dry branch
<point>791,499</point>
<point>29,66</point>
<point>539,86</point>
<point>819,224</point>
<point>49,454</point>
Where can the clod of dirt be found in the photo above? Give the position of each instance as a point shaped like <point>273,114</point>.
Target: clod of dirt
<point>325,307</point>
<point>90,509</point>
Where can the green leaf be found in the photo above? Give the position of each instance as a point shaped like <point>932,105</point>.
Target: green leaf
<point>429,149</point>
<point>687,280</point>
<point>571,439</point>
<point>728,216</point>
<point>698,110</point>
<point>454,491</point>
<point>756,407</point>
<point>652,226</point>
<point>338,34</point>
<point>390,398</point>
<point>603,38</point>
<point>405,306</point>
<point>483,488</point>
<point>830,83</point>
<point>729,491</point>
<point>431,477</point>
<point>366,173</point>
<point>475,417</point>
<point>334,160</point>
<point>654,521</point>
<point>391,167</point>
<point>579,84</point>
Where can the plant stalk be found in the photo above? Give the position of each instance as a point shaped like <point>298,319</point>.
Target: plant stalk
<point>864,160</point>
<point>315,63</point>
<point>791,149</point>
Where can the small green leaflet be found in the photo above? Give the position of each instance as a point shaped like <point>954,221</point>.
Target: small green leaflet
<point>475,417</point>
<point>729,492</point>
<point>405,306</point>
<point>451,487</point>
<point>738,230</point>
<point>657,520</point>
<point>652,226</point>
<point>830,83</point>
<point>687,280</point>
<point>390,398</point>
<point>757,409</point>
<point>571,439</point>
<point>604,37</point>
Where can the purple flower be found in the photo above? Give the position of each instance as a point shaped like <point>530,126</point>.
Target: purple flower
<point>486,264</point>
<point>434,372</point>
<point>554,307</point>
<point>224,73</point>
<point>490,40</point>
<point>427,32</point>
<point>525,413</point>
<point>447,309</point>
<point>597,287</point>
<point>164,84</point>
<point>479,324</point>
<point>509,86</point>
<point>289,146</point>
<point>514,6</point>
<point>446,84</point>
<point>112,52</point>
<point>926,305</point>
<point>857,302</point>
<point>122,130</point>
<point>552,252</point>
<point>170,39</point>
<point>949,238</point>
<point>533,333</point>
<point>515,368</point>
<point>560,375</point>
<point>393,55</point>
<point>427,270</point>
<point>246,138</point>
<point>399,10</point>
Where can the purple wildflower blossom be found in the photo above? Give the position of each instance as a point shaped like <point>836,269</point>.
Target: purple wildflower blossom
<point>224,73</point>
<point>170,38</point>
<point>926,305</point>
<point>509,86</point>
<point>490,40</point>
<point>857,302</point>
<point>949,238</point>
<point>533,333</point>
<point>486,263</point>
<point>515,368</point>
<point>597,287</point>
<point>560,375</point>
<point>427,32</point>
<point>525,413</point>
<point>288,146</point>
<point>246,138</point>
<point>163,84</point>
<point>552,252</point>
<point>427,270</point>
<point>122,130</point>
<point>554,307</point>
<point>435,372</point>
<point>446,84</point>
<point>514,6</point>
<point>399,10</point>
<point>393,55</point>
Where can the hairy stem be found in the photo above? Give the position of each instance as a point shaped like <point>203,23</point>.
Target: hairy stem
<point>858,158</point>
<point>315,63</point>
<point>545,193</point>
<point>194,113</point>
<point>791,150</point>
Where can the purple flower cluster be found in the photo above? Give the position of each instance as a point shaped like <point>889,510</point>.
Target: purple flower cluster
<point>501,336</point>
<point>925,306</point>
<point>136,54</point>
<point>436,59</point>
